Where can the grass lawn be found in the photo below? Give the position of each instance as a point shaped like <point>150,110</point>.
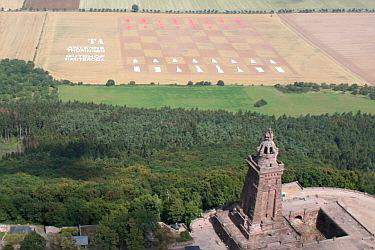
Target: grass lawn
<point>231,98</point>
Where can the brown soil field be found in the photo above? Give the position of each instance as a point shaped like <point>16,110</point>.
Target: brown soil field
<point>19,34</point>
<point>52,4</point>
<point>11,4</point>
<point>348,38</point>
<point>166,48</point>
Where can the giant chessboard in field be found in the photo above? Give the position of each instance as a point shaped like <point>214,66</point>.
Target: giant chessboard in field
<point>168,48</point>
<point>214,45</point>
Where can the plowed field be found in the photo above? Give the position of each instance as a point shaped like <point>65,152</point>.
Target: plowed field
<point>52,4</point>
<point>19,34</point>
<point>348,38</point>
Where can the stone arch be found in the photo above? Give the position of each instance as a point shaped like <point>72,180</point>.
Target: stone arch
<point>298,219</point>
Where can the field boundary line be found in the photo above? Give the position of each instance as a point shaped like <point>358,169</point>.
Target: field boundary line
<point>292,28</point>
<point>40,37</point>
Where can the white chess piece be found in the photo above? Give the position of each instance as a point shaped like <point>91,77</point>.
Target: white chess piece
<point>233,61</point>
<point>213,60</point>
<point>178,70</point>
<point>157,69</point>
<point>199,70</point>
<point>195,61</point>
<point>252,61</point>
<point>280,70</point>
<point>239,70</point>
<point>137,69</point>
<point>259,69</point>
<point>135,60</point>
<point>155,60</point>
<point>219,70</point>
<point>174,60</point>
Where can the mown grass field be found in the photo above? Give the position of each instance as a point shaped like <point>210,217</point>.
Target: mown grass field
<point>231,98</point>
<point>223,5</point>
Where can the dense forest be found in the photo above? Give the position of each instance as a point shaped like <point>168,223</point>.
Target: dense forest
<point>127,168</point>
<point>22,80</point>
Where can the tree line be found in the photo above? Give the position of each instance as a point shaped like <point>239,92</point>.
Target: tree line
<point>136,8</point>
<point>303,87</point>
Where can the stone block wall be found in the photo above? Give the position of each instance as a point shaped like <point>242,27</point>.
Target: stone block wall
<point>223,234</point>
<point>308,216</point>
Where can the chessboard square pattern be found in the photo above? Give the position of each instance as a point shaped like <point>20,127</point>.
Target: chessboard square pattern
<point>203,46</point>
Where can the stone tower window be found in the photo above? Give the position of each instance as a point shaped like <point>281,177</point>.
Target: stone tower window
<point>271,150</point>
<point>266,150</point>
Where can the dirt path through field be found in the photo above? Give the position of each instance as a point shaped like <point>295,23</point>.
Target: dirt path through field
<point>40,37</point>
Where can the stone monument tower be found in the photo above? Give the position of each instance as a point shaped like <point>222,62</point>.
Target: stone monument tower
<point>261,194</point>
<point>257,222</point>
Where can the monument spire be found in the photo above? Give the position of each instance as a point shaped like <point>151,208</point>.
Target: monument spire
<point>267,151</point>
<point>261,194</point>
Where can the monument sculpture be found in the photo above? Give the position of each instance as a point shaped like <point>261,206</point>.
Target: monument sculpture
<point>258,216</point>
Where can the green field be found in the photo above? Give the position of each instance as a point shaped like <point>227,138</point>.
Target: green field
<point>232,98</point>
<point>223,5</point>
